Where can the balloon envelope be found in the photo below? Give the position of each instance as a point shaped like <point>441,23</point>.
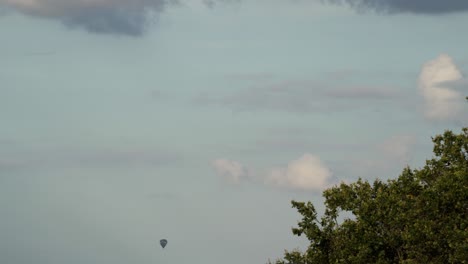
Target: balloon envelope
<point>163,243</point>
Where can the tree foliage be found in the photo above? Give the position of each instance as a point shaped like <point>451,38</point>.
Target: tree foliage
<point>420,217</point>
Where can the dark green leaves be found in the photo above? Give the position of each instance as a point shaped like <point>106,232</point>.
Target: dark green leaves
<point>420,217</point>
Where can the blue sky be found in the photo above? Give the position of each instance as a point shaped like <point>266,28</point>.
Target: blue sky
<point>124,122</point>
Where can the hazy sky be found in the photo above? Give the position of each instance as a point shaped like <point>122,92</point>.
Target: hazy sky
<point>124,122</point>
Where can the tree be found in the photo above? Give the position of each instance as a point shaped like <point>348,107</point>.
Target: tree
<point>420,217</point>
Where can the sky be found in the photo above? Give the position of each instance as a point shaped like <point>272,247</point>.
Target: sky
<point>126,122</point>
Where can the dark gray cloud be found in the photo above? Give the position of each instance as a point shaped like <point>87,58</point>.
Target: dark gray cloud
<point>109,20</point>
<point>120,17</point>
<point>96,16</point>
<point>213,3</point>
<point>405,6</point>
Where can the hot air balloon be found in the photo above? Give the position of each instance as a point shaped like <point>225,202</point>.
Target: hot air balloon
<point>163,243</point>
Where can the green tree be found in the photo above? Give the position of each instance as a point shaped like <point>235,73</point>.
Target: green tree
<point>420,217</point>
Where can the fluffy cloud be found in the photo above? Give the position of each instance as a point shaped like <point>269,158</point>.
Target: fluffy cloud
<point>306,173</point>
<point>442,101</point>
<point>406,6</point>
<point>234,171</point>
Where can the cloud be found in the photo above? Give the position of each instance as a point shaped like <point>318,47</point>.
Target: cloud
<point>132,17</point>
<point>458,85</point>
<point>233,171</point>
<point>97,16</point>
<point>121,157</point>
<point>255,77</point>
<point>213,3</point>
<point>442,101</point>
<point>165,196</point>
<point>298,96</point>
<point>363,92</point>
<point>405,6</point>
<point>10,164</point>
<point>120,17</point>
<point>386,158</point>
<point>306,173</point>
<point>398,148</point>
<point>87,158</point>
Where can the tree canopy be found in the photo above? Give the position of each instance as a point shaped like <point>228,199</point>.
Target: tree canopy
<point>420,217</point>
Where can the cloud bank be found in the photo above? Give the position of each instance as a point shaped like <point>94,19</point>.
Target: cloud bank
<point>120,17</point>
<point>298,96</point>
<point>442,101</point>
<point>87,158</point>
<point>405,6</point>
<point>97,16</point>
<point>132,17</point>
<point>305,173</point>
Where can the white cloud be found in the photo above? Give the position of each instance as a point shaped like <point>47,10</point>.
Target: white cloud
<point>234,171</point>
<point>306,173</point>
<point>442,102</point>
